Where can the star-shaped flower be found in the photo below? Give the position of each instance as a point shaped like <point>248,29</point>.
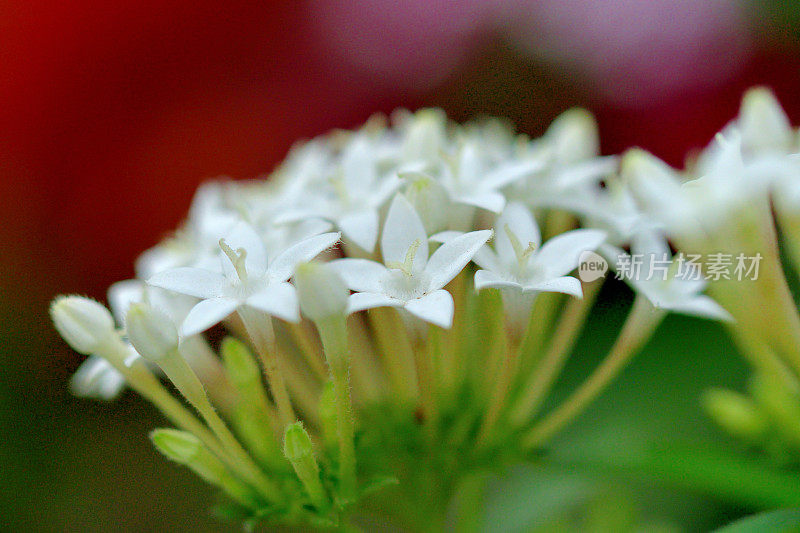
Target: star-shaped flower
<point>352,195</point>
<point>519,261</point>
<point>470,179</point>
<point>666,286</point>
<point>248,279</point>
<point>409,279</point>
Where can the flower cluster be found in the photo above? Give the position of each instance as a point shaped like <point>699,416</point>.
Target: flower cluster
<point>401,295</point>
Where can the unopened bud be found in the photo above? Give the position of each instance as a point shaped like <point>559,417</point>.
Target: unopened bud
<point>241,366</point>
<point>321,291</point>
<point>429,198</point>
<point>763,123</point>
<point>151,332</point>
<point>575,136</point>
<point>297,444</point>
<point>186,449</point>
<point>84,323</point>
<point>97,378</point>
<point>179,446</point>
<point>298,449</point>
<point>735,413</point>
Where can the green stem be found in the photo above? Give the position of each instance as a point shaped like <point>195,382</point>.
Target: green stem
<point>334,340</point>
<point>540,322</point>
<point>541,381</point>
<point>397,355</point>
<point>186,381</point>
<point>142,381</point>
<point>639,326</point>
<point>259,328</point>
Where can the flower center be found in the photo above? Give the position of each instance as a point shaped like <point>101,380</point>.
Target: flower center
<point>237,258</point>
<point>522,253</point>
<point>407,266</point>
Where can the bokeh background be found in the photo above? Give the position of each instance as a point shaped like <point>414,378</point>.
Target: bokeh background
<point>111,113</point>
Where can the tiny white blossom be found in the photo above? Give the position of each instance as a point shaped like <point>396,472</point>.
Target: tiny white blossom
<point>409,279</point>
<point>352,195</point>
<point>248,279</point>
<point>97,378</point>
<point>520,262</point>
<point>679,292</point>
<point>470,180</point>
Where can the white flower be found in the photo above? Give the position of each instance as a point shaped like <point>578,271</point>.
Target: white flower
<point>519,261</point>
<point>410,279</point>
<point>611,209</point>
<point>85,324</point>
<point>248,279</point>
<point>570,149</point>
<point>151,332</point>
<point>660,280</point>
<point>471,180</point>
<point>321,291</point>
<point>351,196</point>
<point>97,378</point>
<point>764,126</point>
<point>210,218</point>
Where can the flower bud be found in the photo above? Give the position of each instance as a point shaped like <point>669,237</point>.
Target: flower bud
<point>429,199</point>
<point>425,136</point>
<point>84,323</point>
<point>763,123</point>
<point>321,291</point>
<point>186,449</point>
<point>298,449</point>
<point>240,365</point>
<point>97,378</point>
<point>151,332</point>
<point>297,444</point>
<point>736,413</point>
<point>575,136</point>
<point>179,446</point>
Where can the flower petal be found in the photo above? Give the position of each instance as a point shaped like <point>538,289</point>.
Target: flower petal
<point>358,164</point>
<point>361,228</point>
<point>451,257</point>
<point>206,314</point>
<point>565,284</point>
<point>277,299</point>
<point>402,228</point>
<point>360,275</point>
<point>370,300</point>
<point>487,259</point>
<point>195,282</point>
<point>700,306</point>
<point>282,267</point>
<point>521,223</point>
<point>560,255</point>
<point>444,236</point>
<point>510,172</point>
<point>436,308</point>
<point>490,200</point>
<point>485,279</point>
<point>121,295</point>
<point>97,378</point>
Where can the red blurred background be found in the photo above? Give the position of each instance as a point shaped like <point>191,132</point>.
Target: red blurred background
<point>111,113</point>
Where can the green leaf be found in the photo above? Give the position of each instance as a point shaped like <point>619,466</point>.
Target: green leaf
<point>783,521</point>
